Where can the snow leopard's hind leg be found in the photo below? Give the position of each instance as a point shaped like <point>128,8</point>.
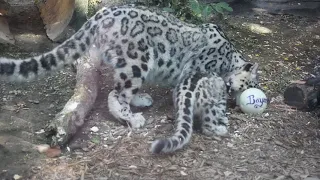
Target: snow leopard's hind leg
<point>184,100</point>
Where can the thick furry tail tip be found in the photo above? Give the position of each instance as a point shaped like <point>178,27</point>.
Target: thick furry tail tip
<point>158,146</point>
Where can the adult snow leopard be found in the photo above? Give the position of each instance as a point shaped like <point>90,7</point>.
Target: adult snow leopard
<point>147,45</point>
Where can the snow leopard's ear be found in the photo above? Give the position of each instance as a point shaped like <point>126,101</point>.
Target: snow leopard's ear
<point>250,67</point>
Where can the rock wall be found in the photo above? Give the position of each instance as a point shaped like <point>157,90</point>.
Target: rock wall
<point>297,7</point>
<point>282,5</point>
<point>20,2</point>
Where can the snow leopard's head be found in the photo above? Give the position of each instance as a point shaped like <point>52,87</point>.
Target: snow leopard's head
<point>246,77</point>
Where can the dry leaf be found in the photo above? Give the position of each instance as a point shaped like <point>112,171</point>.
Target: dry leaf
<point>53,152</point>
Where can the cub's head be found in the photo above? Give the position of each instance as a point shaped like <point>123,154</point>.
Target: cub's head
<point>246,77</point>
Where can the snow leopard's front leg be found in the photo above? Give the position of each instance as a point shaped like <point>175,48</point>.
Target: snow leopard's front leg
<point>120,109</point>
<point>184,100</point>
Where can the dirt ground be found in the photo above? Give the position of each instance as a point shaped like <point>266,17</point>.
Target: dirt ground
<point>282,143</point>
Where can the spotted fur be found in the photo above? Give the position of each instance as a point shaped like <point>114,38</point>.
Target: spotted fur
<point>145,45</point>
<point>200,96</point>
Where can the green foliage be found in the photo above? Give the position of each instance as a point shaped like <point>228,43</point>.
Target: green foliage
<point>95,140</point>
<point>203,11</point>
<point>191,10</point>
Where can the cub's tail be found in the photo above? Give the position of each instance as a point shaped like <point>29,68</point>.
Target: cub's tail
<point>66,53</point>
<point>180,138</point>
<point>185,99</point>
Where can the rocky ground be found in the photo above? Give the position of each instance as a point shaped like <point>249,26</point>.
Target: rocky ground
<point>282,143</point>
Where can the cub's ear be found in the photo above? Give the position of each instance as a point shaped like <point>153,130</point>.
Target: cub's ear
<point>247,67</point>
<point>250,67</point>
<point>254,69</point>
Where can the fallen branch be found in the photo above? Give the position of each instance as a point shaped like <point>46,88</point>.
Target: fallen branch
<point>72,116</point>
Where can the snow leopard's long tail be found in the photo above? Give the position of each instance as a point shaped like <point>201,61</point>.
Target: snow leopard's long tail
<point>66,53</point>
<point>184,101</point>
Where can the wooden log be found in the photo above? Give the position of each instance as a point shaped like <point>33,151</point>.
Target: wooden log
<point>56,15</point>
<point>4,8</point>
<point>302,96</point>
<point>72,116</point>
<point>5,35</point>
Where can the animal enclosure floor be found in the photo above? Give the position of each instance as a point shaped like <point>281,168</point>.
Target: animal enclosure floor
<point>282,143</point>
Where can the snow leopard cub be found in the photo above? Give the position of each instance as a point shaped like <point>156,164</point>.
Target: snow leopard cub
<point>200,96</point>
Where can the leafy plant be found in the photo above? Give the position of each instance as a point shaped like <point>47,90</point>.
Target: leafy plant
<point>95,140</point>
<point>203,11</point>
<point>191,10</point>
<point>221,7</point>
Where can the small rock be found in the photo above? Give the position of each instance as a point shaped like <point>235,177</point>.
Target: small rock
<point>133,167</point>
<point>16,177</point>
<point>42,148</point>
<point>85,149</point>
<point>15,92</point>
<point>202,148</point>
<point>40,132</point>
<point>183,173</point>
<point>266,115</point>
<point>227,173</point>
<point>173,168</point>
<point>34,101</point>
<point>215,150</point>
<point>229,145</point>
<point>163,121</point>
<point>51,106</point>
<point>94,129</point>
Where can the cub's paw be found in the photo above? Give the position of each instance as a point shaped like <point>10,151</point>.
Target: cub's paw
<point>142,100</point>
<point>213,130</point>
<point>221,130</point>
<point>137,121</point>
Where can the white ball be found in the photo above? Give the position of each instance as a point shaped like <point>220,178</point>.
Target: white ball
<point>252,101</point>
